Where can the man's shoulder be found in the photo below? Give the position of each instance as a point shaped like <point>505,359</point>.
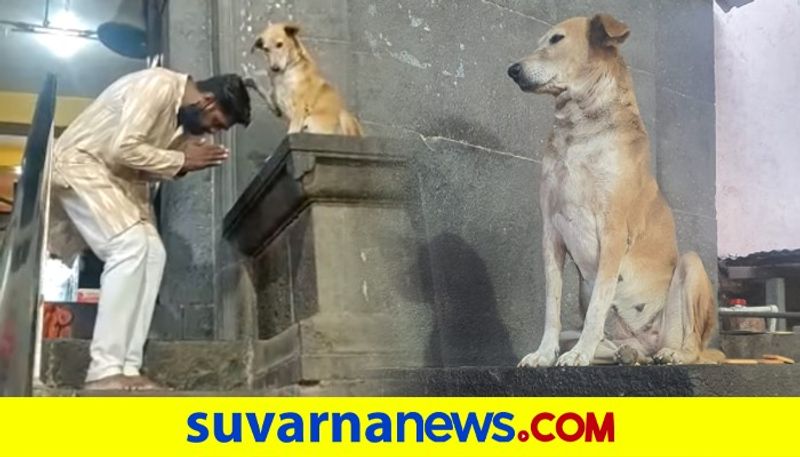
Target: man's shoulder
<point>155,83</point>
<point>159,74</point>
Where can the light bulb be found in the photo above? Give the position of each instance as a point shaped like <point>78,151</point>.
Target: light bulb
<point>63,44</point>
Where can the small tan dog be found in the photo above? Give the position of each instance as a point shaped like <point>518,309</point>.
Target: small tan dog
<point>298,90</point>
<point>601,204</point>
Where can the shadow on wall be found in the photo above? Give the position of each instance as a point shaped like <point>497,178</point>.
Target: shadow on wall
<point>465,130</point>
<point>467,329</point>
<point>458,194</point>
<point>728,5</point>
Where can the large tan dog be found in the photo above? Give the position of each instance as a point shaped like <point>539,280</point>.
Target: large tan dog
<point>601,204</point>
<point>298,90</point>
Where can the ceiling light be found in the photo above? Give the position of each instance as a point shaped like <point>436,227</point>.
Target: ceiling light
<point>63,38</point>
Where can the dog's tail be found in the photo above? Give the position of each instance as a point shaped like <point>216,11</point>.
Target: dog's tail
<point>711,357</point>
<point>349,124</point>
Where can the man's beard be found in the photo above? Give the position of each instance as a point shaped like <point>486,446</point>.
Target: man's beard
<point>191,119</point>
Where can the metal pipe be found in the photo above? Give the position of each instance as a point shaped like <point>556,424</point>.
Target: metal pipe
<point>34,28</point>
<point>24,247</point>
<point>46,22</point>
<point>769,309</point>
<point>775,315</point>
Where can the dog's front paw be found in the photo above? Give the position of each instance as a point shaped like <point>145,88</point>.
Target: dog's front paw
<point>574,358</point>
<point>540,358</point>
<point>667,356</point>
<point>626,355</point>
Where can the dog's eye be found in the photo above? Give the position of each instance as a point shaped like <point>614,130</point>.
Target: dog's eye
<point>556,38</point>
<point>279,44</point>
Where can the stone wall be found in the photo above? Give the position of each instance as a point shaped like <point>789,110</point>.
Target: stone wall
<point>759,87</point>
<point>188,220</point>
<point>434,71</point>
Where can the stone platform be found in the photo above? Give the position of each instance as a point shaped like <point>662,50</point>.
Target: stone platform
<point>220,369</point>
<point>599,381</point>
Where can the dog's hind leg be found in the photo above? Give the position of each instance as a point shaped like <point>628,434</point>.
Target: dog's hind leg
<point>349,125</point>
<point>689,314</point>
<point>324,124</point>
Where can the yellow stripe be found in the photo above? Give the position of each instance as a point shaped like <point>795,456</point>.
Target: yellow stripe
<point>135,427</point>
<point>17,107</point>
<point>10,155</point>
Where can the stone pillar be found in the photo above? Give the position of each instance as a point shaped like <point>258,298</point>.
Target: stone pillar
<point>328,240</point>
<point>187,224</point>
<point>685,137</point>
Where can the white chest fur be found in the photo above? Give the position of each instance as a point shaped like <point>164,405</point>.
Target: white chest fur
<point>285,87</point>
<point>580,176</point>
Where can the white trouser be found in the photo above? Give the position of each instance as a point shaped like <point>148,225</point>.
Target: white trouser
<point>134,263</point>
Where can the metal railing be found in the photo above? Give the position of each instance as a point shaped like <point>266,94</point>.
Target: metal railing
<point>22,252</point>
<point>765,314</point>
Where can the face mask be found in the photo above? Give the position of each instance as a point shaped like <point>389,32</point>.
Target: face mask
<point>191,119</point>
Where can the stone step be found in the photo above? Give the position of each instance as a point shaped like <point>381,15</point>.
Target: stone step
<point>56,392</point>
<point>219,369</point>
<point>753,346</point>
<point>597,381</point>
<point>320,389</point>
<point>183,365</point>
<point>214,366</point>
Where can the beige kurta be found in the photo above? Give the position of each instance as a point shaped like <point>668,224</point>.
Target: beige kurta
<point>108,156</point>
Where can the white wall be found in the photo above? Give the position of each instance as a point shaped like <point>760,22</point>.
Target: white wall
<point>758,126</point>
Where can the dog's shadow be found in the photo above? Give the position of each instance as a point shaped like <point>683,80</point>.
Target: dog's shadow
<point>466,327</point>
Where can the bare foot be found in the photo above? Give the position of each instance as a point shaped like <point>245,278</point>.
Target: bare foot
<point>113,382</point>
<point>143,383</point>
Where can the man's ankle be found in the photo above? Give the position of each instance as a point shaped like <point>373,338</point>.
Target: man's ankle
<point>130,372</point>
<point>97,375</point>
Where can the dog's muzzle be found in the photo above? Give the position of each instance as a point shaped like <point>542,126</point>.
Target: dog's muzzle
<point>516,73</point>
<point>259,44</point>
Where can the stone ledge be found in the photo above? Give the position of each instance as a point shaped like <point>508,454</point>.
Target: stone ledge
<point>597,381</point>
<point>307,168</point>
<point>323,389</point>
<point>185,365</point>
<point>64,392</point>
<point>219,369</point>
<point>668,381</point>
<point>753,346</point>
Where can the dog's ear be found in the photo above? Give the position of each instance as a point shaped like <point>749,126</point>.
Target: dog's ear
<point>292,29</point>
<point>605,31</point>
